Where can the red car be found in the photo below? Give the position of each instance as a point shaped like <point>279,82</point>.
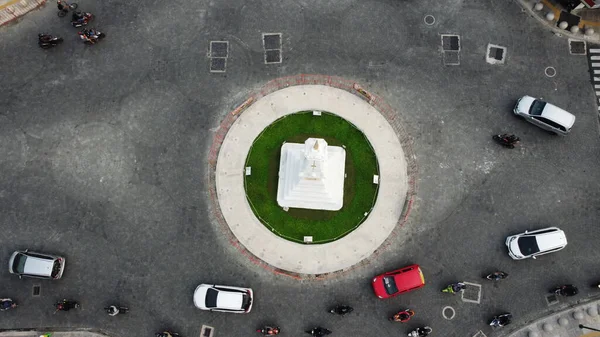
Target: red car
<point>398,281</point>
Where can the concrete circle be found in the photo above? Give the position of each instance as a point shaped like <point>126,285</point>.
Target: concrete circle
<point>550,16</point>
<point>592,311</point>
<point>550,71</point>
<point>301,258</point>
<point>547,327</point>
<point>429,20</point>
<point>574,29</point>
<point>563,321</point>
<point>563,25</point>
<point>589,31</point>
<point>444,312</point>
<point>97,161</point>
<point>538,6</point>
<point>578,315</point>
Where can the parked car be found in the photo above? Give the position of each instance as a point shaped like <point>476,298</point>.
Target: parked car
<point>32,264</point>
<point>223,298</point>
<point>534,243</point>
<point>398,281</point>
<point>544,115</point>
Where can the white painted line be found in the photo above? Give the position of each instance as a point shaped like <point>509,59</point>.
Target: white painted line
<point>596,71</point>
<point>596,57</point>
<point>596,86</point>
<point>598,93</point>
<point>594,50</point>
<point>597,65</point>
<point>469,286</point>
<point>596,79</point>
<point>479,334</point>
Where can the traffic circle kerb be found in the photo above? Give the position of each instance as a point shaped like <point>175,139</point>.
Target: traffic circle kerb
<point>228,156</point>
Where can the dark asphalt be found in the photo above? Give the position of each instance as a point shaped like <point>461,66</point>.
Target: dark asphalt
<point>104,155</point>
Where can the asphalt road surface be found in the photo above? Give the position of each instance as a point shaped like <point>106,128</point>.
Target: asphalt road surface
<point>104,151</point>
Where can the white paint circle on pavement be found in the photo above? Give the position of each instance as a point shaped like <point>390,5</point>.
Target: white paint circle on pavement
<point>429,20</point>
<point>550,71</point>
<point>311,258</point>
<point>444,312</point>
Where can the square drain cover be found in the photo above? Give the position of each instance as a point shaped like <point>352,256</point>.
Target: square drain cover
<point>577,47</point>
<point>272,56</point>
<point>551,299</point>
<point>451,58</point>
<point>37,290</point>
<point>495,54</point>
<point>272,41</point>
<point>207,331</point>
<point>218,64</point>
<point>219,49</point>
<point>479,334</point>
<point>450,42</point>
<point>472,293</point>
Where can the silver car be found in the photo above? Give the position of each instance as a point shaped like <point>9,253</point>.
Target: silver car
<point>223,298</point>
<point>544,115</point>
<point>32,264</point>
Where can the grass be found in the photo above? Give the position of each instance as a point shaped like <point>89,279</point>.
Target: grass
<point>359,191</point>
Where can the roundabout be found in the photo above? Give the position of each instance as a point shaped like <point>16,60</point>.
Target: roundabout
<point>298,258</point>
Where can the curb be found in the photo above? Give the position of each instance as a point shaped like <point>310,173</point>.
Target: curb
<point>14,9</point>
<point>527,6</point>
<point>35,332</point>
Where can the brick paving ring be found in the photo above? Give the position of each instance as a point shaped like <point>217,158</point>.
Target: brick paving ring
<point>346,99</point>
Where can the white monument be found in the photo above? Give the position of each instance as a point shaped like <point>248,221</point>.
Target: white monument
<point>311,175</point>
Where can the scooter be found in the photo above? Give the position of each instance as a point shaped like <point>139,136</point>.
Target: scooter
<point>566,290</point>
<point>420,332</point>
<point>83,19</point>
<point>66,305</point>
<point>454,288</point>
<point>508,141</point>
<point>114,310</point>
<point>91,34</point>
<point>46,41</point>
<point>7,304</point>
<point>269,331</point>
<point>166,333</point>
<point>318,332</point>
<point>501,320</point>
<point>402,316</point>
<point>497,276</point>
<point>341,310</point>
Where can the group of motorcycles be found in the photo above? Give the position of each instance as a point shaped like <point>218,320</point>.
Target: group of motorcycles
<point>78,19</point>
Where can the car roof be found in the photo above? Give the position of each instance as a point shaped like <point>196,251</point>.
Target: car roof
<point>38,266</point>
<point>551,240</point>
<point>230,300</point>
<point>408,278</point>
<point>558,115</point>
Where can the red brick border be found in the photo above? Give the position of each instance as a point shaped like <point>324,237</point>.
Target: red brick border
<point>308,79</point>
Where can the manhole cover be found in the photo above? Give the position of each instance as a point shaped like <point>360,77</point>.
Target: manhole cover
<point>429,20</point>
<point>272,41</point>
<point>219,49</point>
<point>272,56</point>
<point>218,64</point>
<point>577,47</point>
<point>207,331</point>
<point>551,299</point>
<point>451,58</point>
<point>37,290</point>
<point>450,42</point>
<point>495,54</point>
<point>550,71</point>
<point>472,293</point>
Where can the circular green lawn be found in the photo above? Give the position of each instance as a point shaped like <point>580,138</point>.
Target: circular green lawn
<point>359,191</point>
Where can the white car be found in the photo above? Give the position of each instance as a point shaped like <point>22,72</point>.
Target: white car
<point>223,298</point>
<point>544,115</point>
<point>32,264</point>
<point>534,243</point>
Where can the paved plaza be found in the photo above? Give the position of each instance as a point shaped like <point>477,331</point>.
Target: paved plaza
<point>109,156</point>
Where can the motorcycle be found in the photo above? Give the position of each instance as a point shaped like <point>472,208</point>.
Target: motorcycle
<point>269,331</point>
<point>81,19</point>
<point>420,332</point>
<point>114,310</point>
<point>402,316</point>
<point>506,140</point>
<point>497,276</point>
<point>66,305</point>
<point>501,320</point>
<point>454,288</point>
<point>6,304</point>
<point>90,34</point>
<point>166,333</point>
<point>318,332</point>
<point>46,41</point>
<point>341,310</point>
<point>566,290</point>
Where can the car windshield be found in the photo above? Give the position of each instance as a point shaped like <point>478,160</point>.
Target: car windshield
<point>247,300</point>
<point>56,268</point>
<point>528,245</point>
<point>19,263</point>
<point>211,298</point>
<point>537,107</point>
<point>390,285</point>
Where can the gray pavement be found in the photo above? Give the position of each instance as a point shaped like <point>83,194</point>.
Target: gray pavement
<point>105,149</point>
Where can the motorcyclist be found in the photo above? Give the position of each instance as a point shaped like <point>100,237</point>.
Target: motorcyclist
<point>44,38</point>
<point>271,330</point>
<point>7,303</point>
<point>498,275</point>
<point>112,310</point>
<point>503,319</point>
<point>457,287</point>
<point>568,290</point>
<point>402,316</point>
<point>421,332</point>
<point>65,305</point>
<point>342,309</point>
<point>90,35</point>
<point>319,332</point>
